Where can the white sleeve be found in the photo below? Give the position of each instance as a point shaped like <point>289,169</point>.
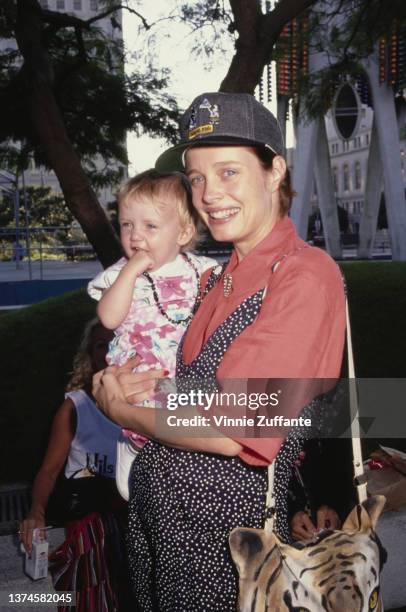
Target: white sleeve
<point>105,279</point>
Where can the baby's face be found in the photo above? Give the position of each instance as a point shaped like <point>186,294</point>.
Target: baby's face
<point>154,227</point>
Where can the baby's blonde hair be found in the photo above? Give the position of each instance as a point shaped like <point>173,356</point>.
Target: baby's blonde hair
<point>152,185</point>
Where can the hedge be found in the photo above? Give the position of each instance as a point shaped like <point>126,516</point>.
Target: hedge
<point>38,344</point>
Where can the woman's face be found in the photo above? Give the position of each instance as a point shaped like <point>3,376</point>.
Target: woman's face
<point>235,196</point>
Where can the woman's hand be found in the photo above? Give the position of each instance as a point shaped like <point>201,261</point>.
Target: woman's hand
<point>327,518</point>
<point>138,386</point>
<point>122,384</point>
<point>107,390</point>
<point>27,527</point>
<point>116,388</point>
<point>302,527</point>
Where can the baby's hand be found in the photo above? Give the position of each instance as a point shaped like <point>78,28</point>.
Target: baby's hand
<point>142,261</point>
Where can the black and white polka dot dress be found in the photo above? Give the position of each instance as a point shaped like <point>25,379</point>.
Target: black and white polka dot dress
<point>184,504</point>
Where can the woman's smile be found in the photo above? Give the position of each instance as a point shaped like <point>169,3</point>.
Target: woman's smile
<point>222,215</point>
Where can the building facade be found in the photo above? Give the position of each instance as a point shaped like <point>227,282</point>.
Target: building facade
<point>349,163</point>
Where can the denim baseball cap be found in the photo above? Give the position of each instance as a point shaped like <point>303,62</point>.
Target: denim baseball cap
<point>218,119</point>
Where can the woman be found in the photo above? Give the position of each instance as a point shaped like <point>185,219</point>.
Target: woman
<point>277,310</point>
<point>83,443</point>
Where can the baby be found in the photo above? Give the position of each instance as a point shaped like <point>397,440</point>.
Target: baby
<point>148,296</point>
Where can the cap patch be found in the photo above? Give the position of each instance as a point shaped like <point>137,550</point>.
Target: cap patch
<point>192,119</point>
<point>214,116</point>
<point>202,129</point>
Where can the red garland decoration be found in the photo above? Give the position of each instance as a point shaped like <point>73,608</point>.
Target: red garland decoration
<point>393,56</point>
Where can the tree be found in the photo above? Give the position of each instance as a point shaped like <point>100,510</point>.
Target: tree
<point>63,79</point>
<point>346,32</point>
<point>58,57</point>
<point>356,25</point>
<point>257,35</point>
<point>69,99</point>
<point>44,208</point>
<point>254,32</point>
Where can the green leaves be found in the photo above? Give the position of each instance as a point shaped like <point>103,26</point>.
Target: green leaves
<point>98,101</point>
<point>44,209</point>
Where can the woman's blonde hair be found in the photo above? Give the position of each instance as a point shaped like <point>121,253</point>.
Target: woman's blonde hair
<point>82,373</point>
<point>152,185</point>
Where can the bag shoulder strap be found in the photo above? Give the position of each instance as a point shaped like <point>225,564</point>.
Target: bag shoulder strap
<point>358,465</point>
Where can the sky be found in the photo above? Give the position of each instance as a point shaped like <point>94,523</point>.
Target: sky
<point>189,78</point>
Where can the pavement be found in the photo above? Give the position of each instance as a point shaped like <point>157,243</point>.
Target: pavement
<point>391,530</point>
<point>48,270</point>
<point>12,577</point>
<point>24,283</point>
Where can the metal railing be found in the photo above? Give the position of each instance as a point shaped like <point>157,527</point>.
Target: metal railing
<point>32,245</point>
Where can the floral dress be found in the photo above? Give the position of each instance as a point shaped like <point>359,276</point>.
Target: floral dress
<point>146,331</point>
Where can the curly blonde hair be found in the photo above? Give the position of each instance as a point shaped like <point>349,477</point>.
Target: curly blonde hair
<point>153,185</point>
<point>82,373</point>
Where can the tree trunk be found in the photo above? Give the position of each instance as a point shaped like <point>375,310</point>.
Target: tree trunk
<point>257,35</point>
<point>50,128</point>
<point>79,195</point>
<point>245,70</point>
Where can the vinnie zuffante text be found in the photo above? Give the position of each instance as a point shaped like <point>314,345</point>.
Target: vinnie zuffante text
<point>207,401</point>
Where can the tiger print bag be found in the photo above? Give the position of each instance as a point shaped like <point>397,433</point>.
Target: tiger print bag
<point>336,572</point>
